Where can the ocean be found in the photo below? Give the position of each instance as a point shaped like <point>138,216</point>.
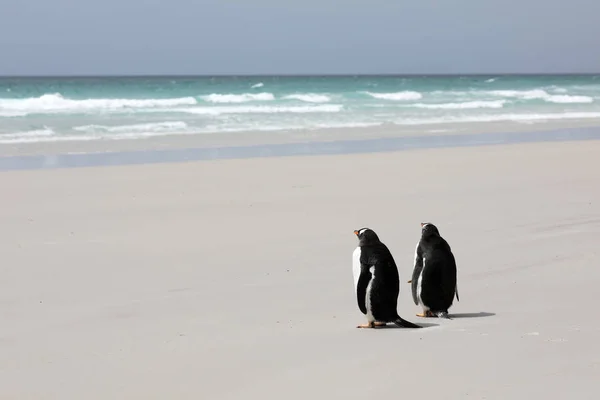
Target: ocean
<point>113,108</point>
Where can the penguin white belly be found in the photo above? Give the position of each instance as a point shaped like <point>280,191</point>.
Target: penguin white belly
<point>356,267</point>
<point>370,317</point>
<point>356,272</point>
<point>419,282</point>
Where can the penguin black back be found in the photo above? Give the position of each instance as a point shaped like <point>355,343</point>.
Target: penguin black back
<point>377,281</point>
<point>434,274</point>
<point>377,254</point>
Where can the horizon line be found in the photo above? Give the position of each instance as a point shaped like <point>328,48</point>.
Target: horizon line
<point>298,75</point>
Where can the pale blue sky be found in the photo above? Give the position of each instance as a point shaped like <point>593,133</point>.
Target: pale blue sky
<point>50,37</point>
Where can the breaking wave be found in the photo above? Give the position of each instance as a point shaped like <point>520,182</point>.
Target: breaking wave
<point>150,127</point>
<point>309,98</point>
<point>328,108</point>
<point>37,136</point>
<point>500,118</point>
<point>398,96</point>
<point>238,98</point>
<point>540,94</point>
<point>462,106</point>
<point>52,103</point>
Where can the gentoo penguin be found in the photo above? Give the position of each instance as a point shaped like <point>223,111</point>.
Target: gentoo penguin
<point>376,281</point>
<point>433,280</point>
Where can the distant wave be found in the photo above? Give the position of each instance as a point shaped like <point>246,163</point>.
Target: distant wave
<point>238,98</point>
<point>52,103</point>
<point>559,89</point>
<point>542,95</point>
<point>257,85</point>
<point>309,97</point>
<point>460,106</point>
<point>328,108</point>
<point>398,96</point>
<point>150,127</point>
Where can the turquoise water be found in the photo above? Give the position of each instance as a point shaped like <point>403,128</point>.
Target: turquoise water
<point>55,109</point>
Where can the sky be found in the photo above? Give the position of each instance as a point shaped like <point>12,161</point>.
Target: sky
<point>197,37</point>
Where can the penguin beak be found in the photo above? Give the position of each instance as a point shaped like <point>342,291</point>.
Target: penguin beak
<point>356,233</point>
<point>422,224</point>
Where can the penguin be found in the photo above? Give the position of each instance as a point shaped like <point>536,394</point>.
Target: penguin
<point>376,281</point>
<point>433,280</point>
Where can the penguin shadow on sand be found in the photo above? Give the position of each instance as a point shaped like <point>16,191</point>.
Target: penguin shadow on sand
<point>376,283</point>
<point>395,326</point>
<point>480,314</point>
<point>434,278</point>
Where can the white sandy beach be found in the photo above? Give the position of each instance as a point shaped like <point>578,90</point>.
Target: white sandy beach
<point>232,279</point>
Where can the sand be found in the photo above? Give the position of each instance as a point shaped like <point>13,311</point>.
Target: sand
<point>232,279</point>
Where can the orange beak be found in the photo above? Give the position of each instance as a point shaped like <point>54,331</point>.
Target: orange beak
<point>422,223</point>
<point>356,233</point>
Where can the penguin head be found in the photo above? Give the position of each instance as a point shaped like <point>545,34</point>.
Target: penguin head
<point>366,236</point>
<point>428,229</point>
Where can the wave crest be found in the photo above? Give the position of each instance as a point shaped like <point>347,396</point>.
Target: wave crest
<point>540,94</point>
<point>462,106</point>
<point>37,136</point>
<point>329,108</point>
<point>57,103</point>
<point>150,127</point>
<point>500,118</point>
<point>309,97</point>
<point>238,98</point>
<point>397,96</point>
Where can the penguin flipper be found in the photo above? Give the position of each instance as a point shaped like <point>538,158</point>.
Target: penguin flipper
<point>418,268</point>
<point>361,287</point>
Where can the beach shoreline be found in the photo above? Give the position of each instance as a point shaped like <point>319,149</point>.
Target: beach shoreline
<point>256,148</point>
<point>248,138</point>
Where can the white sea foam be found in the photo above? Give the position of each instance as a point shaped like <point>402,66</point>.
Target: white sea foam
<point>158,127</point>
<point>238,98</point>
<point>44,139</point>
<point>53,103</point>
<point>542,95</point>
<point>37,136</point>
<point>32,133</point>
<point>309,97</point>
<point>398,96</point>
<point>569,99</point>
<point>257,85</point>
<point>460,106</point>
<point>499,118</point>
<point>9,114</point>
<point>339,125</point>
<point>139,131</point>
<point>326,108</point>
